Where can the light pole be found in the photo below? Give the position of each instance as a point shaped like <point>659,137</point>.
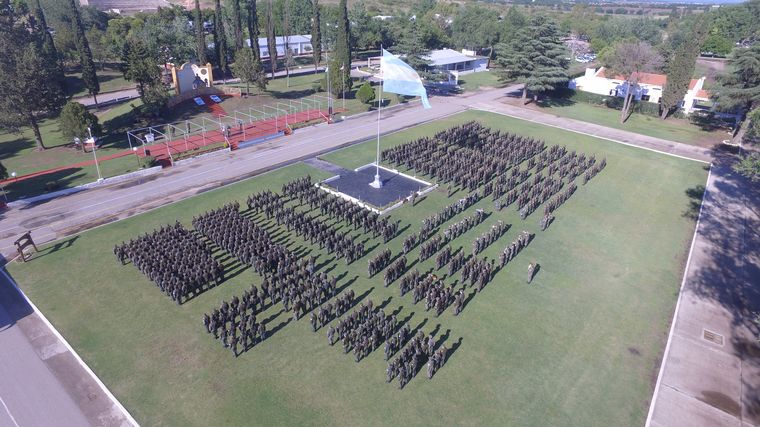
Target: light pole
<point>95,156</point>
<point>139,164</point>
<point>329,93</point>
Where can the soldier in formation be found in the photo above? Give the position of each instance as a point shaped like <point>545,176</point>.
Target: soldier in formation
<point>174,259</point>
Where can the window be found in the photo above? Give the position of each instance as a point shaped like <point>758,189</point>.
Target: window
<point>645,97</point>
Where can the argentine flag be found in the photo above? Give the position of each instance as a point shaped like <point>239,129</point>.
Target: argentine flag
<point>399,77</point>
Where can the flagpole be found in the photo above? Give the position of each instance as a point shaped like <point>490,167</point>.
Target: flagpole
<point>377,183</point>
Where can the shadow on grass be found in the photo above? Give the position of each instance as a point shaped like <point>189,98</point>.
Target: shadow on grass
<point>42,184</point>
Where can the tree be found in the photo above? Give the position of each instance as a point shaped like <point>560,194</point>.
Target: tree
<point>342,57</point>
<point>475,27</point>
<point>286,33</point>
<point>316,35</point>
<point>3,172</point>
<point>414,51</point>
<point>271,38</point>
<point>536,54</point>
<point>139,67</point>
<point>248,69</point>
<point>34,89</point>
<point>74,121</point>
<point>47,44</point>
<point>749,166</point>
<point>220,39</point>
<point>200,35</point>
<point>682,49</point>
<point>237,25</point>
<point>740,89</point>
<point>253,29</point>
<point>89,74</point>
<point>630,60</point>
<point>366,93</point>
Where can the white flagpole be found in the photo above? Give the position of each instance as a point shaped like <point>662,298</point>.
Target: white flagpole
<point>377,183</point>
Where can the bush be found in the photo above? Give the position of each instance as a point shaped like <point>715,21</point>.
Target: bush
<point>316,87</point>
<point>401,99</point>
<point>366,93</point>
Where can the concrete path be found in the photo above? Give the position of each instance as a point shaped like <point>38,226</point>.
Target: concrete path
<point>711,370</point>
<point>325,166</point>
<point>42,383</point>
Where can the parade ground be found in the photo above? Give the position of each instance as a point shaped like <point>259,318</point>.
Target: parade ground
<point>581,345</point>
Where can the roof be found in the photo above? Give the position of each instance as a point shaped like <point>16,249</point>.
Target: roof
<point>702,94</point>
<point>448,56</point>
<point>280,40</point>
<point>693,83</point>
<point>643,78</point>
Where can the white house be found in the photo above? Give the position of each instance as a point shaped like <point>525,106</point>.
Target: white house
<point>649,88</point>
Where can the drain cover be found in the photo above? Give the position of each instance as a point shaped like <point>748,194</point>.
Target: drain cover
<point>712,337</point>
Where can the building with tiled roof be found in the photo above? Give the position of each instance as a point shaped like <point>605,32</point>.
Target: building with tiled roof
<point>648,87</point>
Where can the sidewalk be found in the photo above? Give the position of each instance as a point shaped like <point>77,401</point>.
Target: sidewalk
<point>710,374</point>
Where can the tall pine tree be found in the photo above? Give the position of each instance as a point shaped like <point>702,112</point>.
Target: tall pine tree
<point>685,45</point>
<point>253,29</point>
<point>34,89</point>
<point>237,25</point>
<point>271,38</point>
<point>46,42</point>
<point>342,57</point>
<point>316,35</point>
<point>740,88</point>
<point>89,74</point>
<point>536,54</point>
<point>220,39</point>
<point>200,35</point>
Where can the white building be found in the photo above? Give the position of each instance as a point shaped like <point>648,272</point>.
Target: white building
<point>298,44</point>
<point>649,88</point>
<point>454,64</point>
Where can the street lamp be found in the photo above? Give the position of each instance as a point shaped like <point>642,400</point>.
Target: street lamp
<point>139,165</point>
<point>91,140</point>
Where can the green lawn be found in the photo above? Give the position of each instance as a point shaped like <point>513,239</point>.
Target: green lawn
<point>476,81</point>
<point>110,80</point>
<point>672,129</point>
<point>578,347</point>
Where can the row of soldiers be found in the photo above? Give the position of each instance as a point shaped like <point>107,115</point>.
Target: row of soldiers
<point>443,257</point>
<point>394,343</point>
<point>410,242</point>
<point>431,246</point>
<point>432,222</point>
<point>329,311</point>
<point>247,332</point>
<point>493,234</point>
<point>378,262</point>
<point>439,297</point>
<point>174,259</point>
<point>460,227</point>
<point>514,248</point>
<point>477,272</point>
<point>342,328</point>
<point>303,190</point>
<point>406,365</point>
<point>468,155</point>
<point>556,201</point>
<point>241,238</point>
<point>394,271</point>
<point>266,201</point>
<point>317,231</point>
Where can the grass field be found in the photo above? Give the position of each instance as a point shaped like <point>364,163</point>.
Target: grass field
<point>110,79</point>
<point>578,347</point>
<point>672,129</point>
